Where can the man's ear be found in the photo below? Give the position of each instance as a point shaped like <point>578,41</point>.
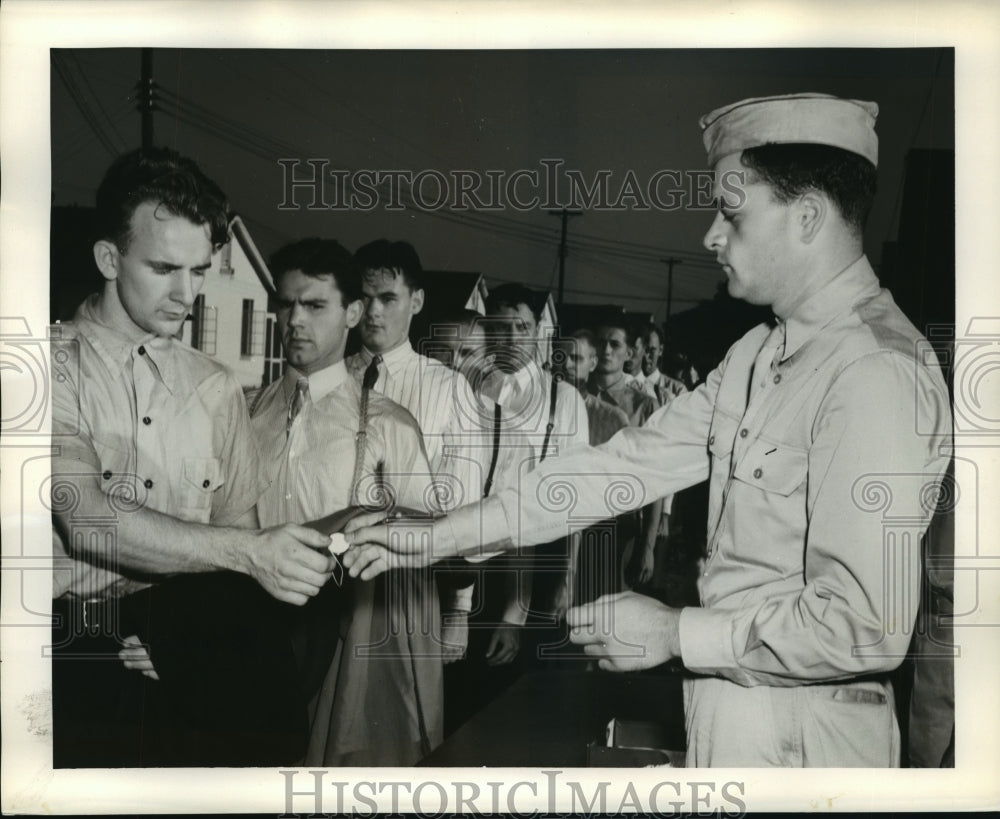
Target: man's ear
<point>355,310</point>
<point>811,212</point>
<point>416,302</point>
<point>107,257</point>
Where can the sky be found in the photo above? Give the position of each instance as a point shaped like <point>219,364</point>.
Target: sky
<point>611,112</point>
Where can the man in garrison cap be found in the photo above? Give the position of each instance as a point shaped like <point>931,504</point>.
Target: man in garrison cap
<point>807,434</point>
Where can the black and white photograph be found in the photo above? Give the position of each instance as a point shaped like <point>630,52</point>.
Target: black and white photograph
<point>421,421</point>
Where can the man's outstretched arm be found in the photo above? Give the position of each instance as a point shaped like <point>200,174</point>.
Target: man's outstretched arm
<point>637,465</point>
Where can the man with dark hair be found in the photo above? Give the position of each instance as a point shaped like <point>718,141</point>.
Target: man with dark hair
<point>650,349</point>
<point>392,293</point>
<point>154,436</point>
<point>576,359</point>
<point>383,254</point>
<point>329,443</point>
<point>806,605</point>
<point>165,177</point>
<point>551,415</point>
<point>611,384</point>
<point>503,583</point>
<point>609,381</point>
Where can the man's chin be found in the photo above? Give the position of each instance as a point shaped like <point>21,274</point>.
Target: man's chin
<point>168,329</point>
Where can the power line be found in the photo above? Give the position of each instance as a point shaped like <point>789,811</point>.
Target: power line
<point>82,75</point>
<point>266,147</point>
<point>653,252</point>
<point>81,104</point>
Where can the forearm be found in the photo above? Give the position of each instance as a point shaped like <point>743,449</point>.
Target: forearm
<point>518,585</point>
<point>150,542</point>
<point>651,523</point>
<point>458,600</point>
<point>813,635</point>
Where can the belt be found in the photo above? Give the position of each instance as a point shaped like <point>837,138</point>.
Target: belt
<point>90,617</point>
<point>852,690</point>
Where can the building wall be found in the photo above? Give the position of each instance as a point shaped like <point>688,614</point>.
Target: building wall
<point>218,330</point>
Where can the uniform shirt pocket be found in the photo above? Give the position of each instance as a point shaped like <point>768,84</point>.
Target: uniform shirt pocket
<point>773,467</point>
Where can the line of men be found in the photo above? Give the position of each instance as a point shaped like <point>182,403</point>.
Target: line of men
<point>807,603</point>
<point>156,435</point>
<point>790,647</point>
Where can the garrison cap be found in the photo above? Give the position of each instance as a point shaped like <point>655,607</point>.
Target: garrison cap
<point>792,118</point>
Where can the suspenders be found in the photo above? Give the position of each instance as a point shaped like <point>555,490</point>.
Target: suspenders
<point>497,412</point>
<point>552,418</point>
<point>360,439</point>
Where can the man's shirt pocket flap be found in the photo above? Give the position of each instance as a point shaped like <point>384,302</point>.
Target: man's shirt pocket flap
<point>777,468</point>
<point>203,473</point>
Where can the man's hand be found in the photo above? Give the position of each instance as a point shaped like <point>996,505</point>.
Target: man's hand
<point>504,644</point>
<point>454,635</point>
<point>639,565</point>
<point>281,560</point>
<point>627,631</point>
<point>378,544</point>
<point>136,657</point>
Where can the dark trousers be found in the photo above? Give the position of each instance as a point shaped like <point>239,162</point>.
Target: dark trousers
<point>228,694</point>
<point>470,684</point>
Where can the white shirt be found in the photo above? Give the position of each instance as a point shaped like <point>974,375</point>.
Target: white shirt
<point>312,464</point>
<point>515,458</point>
<point>428,390</point>
<point>525,396</point>
<point>664,388</point>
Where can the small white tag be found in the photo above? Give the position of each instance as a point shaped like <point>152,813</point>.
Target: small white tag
<point>338,543</point>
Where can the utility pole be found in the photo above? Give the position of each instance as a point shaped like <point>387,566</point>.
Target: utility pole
<point>147,98</point>
<point>564,214</point>
<point>670,288</point>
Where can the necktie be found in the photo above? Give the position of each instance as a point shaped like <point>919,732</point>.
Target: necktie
<point>371,373</point>
<point>367,382</point>
<point>769,355</point>
<point>299,399</point>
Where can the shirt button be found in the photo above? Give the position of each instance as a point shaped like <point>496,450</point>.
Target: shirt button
<point>758,472</point>
<point>204,483</point>
<point>744,432</point>
<point>107,475</point>
<point>148,483</point>
<point>711,440</point>
<point>147,420</point>
<point>777,379</point>
<point>142,350</point>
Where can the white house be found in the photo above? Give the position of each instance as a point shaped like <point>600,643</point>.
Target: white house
<point>230,319</point>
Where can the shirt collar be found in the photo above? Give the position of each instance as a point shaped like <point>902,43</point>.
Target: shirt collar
<point>321,383</point>
<point>532,371</point>
<point>394,360</point>
<point>117,349</point>
<point>620,383</point>
<point>855,283</point>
